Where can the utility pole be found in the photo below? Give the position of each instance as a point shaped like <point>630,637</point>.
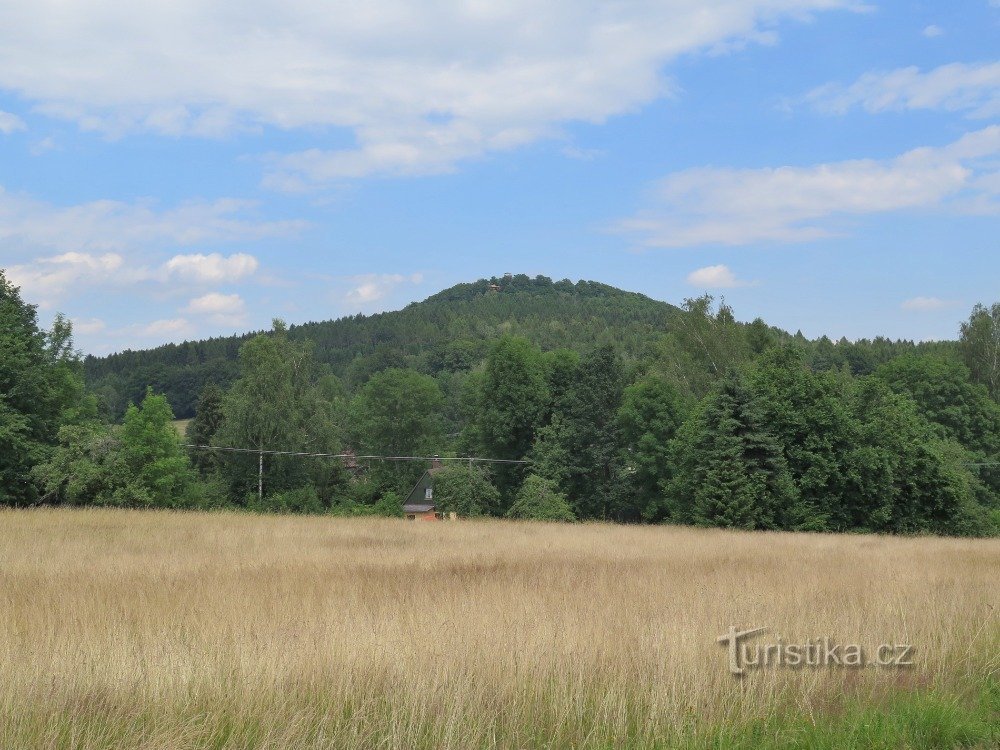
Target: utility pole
<point>260,479</point>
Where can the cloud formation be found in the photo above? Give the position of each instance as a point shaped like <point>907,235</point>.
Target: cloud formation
<point>211,268</point>
<point>50,277</point>
<point>371,288</point>
<point>795,204</point>
<point>715,277</point>
<point>117,226</point>
<point>88,325</point>
<point>957,87</point>
<point>926,304</point>
<point>169,328</point>
<point>222,309</point>
<point>10,122</point>
<point>418,86</point>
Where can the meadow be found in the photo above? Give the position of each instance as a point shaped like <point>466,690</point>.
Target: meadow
<point>130,629</point>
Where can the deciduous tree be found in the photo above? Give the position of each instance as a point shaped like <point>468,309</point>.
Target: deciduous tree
<point>539,500</point>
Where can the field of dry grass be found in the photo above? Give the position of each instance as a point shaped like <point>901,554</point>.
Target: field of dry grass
<point>181,426</point>
<point>170,630</point>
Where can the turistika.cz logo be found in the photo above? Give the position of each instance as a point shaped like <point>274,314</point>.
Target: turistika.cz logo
<point>815,652</point>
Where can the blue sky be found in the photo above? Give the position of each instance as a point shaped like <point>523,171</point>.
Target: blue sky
<point>176,170</point>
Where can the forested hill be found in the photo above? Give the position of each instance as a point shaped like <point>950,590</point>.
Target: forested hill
<point>448,332</point>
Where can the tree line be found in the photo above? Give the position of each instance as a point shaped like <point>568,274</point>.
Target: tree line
<point>696,418</point>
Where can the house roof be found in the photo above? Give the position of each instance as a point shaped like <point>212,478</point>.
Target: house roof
<point>418,508</point>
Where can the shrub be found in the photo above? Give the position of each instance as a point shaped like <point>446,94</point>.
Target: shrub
<point>538,500</point>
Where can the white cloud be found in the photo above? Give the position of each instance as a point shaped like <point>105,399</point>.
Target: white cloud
<point>792,204</point>
<point>582,154</point>
<point>211,268</point>
<point>43,146</point>
<point>222,309</point>
<point>974,88</point>
<point>715,277</point>
<point>88,325</point>
<point>419,86</point>
<point>168,327</point>
<point>116,226</point>
<point>50,277</point>
<point>926,304</point>
<point>216,303</point>
<point>11,122</point>
<point>370,288</point>
<point>932,31</point>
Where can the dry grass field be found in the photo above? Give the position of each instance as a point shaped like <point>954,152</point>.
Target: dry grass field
<point>124,629</point>
<point>181,426</point>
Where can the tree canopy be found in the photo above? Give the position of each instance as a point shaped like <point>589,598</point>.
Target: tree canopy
<point>605,404</point>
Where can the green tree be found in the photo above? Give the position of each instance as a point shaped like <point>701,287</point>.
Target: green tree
<point>705,343</point>
<point>41,388</point>
<point>89,467</point>
<point>551,456</point>
<point>908,478</point>
<point>277,404</point>
<point>397,413</point>
<point>962,410</point>
<point>138,464</point>
<point>648,419</point>
<point>590,431</point>
<point>980,346</point>
<point>539,500</point>
<point>809,414</point>
<point>561,367</point>
<point>201,430</point>
<point>465,490</point>
<point>152,449</point>
<point>730,468</point>
<point>513,398</point>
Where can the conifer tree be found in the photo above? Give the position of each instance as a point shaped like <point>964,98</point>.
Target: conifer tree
<point>206,422</point>
<point>730,469</point>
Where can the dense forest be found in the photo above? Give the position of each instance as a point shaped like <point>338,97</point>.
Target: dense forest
<point>622,407</point>
<point>449,332</point>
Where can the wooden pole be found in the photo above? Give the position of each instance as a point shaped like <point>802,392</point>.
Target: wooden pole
<point>260,478</point>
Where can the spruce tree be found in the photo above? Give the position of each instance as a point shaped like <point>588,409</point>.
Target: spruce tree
<point>730,468</point>
<point>201,429</point>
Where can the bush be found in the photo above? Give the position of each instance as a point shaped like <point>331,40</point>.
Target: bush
<point>299,500</point>
<point>465,490</point>
<point>538,500</point>
<point>390,505</point>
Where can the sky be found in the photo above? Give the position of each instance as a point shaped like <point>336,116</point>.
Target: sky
<point>184,169</point>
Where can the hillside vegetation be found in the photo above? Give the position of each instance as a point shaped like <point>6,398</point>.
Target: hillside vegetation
<point>446,333</point>
<point>619,408</point>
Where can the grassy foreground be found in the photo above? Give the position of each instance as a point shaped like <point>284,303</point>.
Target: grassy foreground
<point>127,629</point>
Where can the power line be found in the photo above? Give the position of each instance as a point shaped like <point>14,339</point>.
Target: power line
<point>406,458</point>
<point>466,459</point>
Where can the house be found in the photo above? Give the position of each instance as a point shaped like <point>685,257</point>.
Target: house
<point>421,512</point>
<point>419,504</point>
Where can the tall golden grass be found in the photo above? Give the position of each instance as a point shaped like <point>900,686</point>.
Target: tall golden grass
<point>176,630</point>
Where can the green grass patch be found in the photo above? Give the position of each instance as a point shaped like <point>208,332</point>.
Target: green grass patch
<point>914,721</point>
